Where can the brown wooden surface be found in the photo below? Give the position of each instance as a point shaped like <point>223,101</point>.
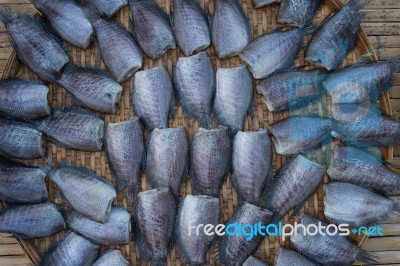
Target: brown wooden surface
<point>382,24</point>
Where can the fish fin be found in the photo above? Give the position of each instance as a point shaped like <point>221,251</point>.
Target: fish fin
<point>310,29</point>
<point>46,257</point>
<point>138,111</point>
<point>91,13</point>
<point>367,257</point>
<point>324,21</point>
<point>6,15</point>
<point>394,63</point>
<point>207,121</point>
<point>386,86</point>
<point>236,4</point>
<point>19,81</point>
<point>250,110</point>
<point>85,171</point>
<point>11,235</point>
<point>235,183</point>
<point>298,207</point>
<point>46,26</point>
<point>210,18</point>
<point>56,142</point>
<point>186,171</point>
<point>73,68</point>
<point>75,101</point>
<point>173,106</point>
<point>5,154</point>
<point>159,262</point>
<point>131,194</point>
<point>7,163</point>
<point>172,20</point>
<point>143,249</point>
<point>357,5</point>
<point>121,29</point>
<point>57,111</point>
<point>67,203</point>
<point>180,246</point>
<point>338,136</point>
<point>47,167</point>
<point>191,168</point>
<point>276,30</point>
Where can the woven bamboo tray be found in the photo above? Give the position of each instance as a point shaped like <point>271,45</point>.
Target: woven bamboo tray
<point>262,20</point>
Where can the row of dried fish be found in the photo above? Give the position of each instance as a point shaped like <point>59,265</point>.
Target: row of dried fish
<point>155,218</point>
<point>251,167</point>
<point>360,83</point>
<point>230,35</point>
<point>195,83</point>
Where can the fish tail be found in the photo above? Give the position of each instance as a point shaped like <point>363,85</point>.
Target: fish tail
<point>6,15</point>
<point>310,29</point>
<point>367,257</point>
<point>207,121</point>
<point>131,193</point>
<point>395,64</point>
<point>47,166</point>
<point>91,13</point>
<point>357,5</point>
<point>159,262</point>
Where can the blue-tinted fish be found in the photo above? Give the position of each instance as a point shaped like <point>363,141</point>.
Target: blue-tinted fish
<point>152,28</point>
<point>292,185</point>
<point>251,164</point>
<point>253,261</point>
<point>25,99</point>
<point>107,8</point>
<point>111,257</point>
<point>167,156</point>
<point>300,133</point>
<point>336,37</point>
<point>210,156</point>
<point>235,249</point>
<point>230,29</point>
<point>68,19</point>
<point>29,221</point>
<point>362,82</point>
<point>152,97</point>
<point>35,46</point>
<point>274,51</point>
<point>20,140</point>
<point>357,166</point>
<point>298,13</point>
<point>125,152</point>
<point>261,3</point>
<point>92,88</point>
<point>291,90</point>
<point>71,249</point>
<point>118,48</point>
<point>346,203</point>
<point>363,126</point>
<point>194,80</point>
<point>327,249</point>
<point>114,232</point>
<point>234,97</point>
<point>193,211</point>
<point>84,191</point>
<point>190,25</point>
<point>22,183</point>
<point>154,223</point>
<point>287,257</point>
<point>73,128</point>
